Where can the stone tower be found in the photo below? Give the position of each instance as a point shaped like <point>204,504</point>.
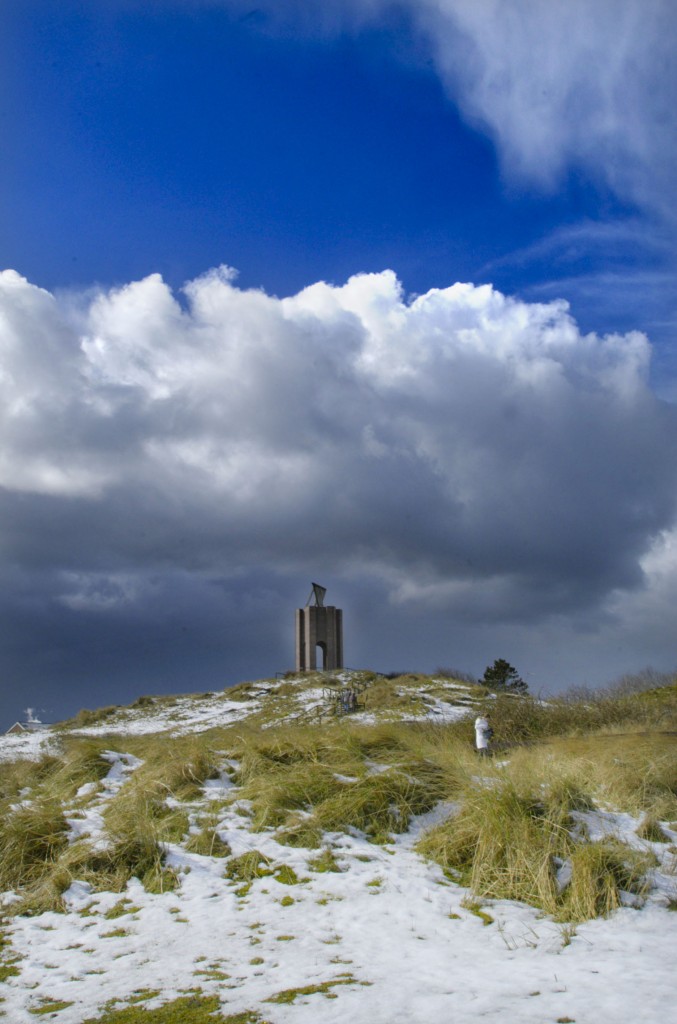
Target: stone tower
<point>318,629</point>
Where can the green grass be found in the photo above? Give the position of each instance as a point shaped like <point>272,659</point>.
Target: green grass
<point>475,907</point>
<point>287,876</point>
<point>8,959</point>
<point>121,908</point>
<point>8,970</point>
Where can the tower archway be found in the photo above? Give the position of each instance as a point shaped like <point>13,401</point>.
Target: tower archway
<point>319,633</point>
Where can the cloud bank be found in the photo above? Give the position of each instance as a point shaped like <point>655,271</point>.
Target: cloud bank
<point>462,447</point>
<point>176,467</point>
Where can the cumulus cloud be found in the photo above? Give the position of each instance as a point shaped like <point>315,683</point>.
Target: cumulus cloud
<point>174,468</point>
<point>463,447</point>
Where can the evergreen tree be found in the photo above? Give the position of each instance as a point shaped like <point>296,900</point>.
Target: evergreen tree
<point>502,676</point>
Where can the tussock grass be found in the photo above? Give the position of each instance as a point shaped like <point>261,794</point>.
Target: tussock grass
<point>208,843</point>
<point>511,834</point>
<point>525,719</point>
<point>381,804</point>
<point>36,859</point>
<point>502,844</point>
<point>85,717</point>
<point>300,832</point>
<point>310,780</point>
<point>136,851</point>
<point>400,695</point>
<point>599,872</point>
<point>635,771</point>
<point>31,839</point>
<point>55,777</point>
<point>81,763</point>
<point>513,831</point>
<point>651,830</point>
<point>248,866</point>
<point>514,827</point>
<point>175,766</point>
<point>19,777</point>
<point>277,789</point>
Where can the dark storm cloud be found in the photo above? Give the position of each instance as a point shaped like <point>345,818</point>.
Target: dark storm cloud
<point>461,451</point>
<point>461,437</point>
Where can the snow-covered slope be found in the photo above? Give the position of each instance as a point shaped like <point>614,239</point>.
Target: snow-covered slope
<point>353,930</point>
<point>267,702</point>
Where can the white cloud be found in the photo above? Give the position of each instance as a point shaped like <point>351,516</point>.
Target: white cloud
<point>561,84</point>
<point>465,436</point>
<point>557,84</point>
<point>465,456</point>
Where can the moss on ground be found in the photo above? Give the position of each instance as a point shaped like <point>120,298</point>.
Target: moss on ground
<point>325,861</point>
<point>289,995</point>
<point>50,1006</point>
<point>190,1009</point>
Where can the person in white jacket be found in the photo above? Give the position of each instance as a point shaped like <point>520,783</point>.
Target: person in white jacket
<point>483,733</point>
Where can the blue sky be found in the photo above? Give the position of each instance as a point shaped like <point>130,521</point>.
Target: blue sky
<point>526,146</point>
<point>171,137</point>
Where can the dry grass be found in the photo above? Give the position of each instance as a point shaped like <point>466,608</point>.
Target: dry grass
<point>599,873</point>
<point>31,839</point>
<point>501,844</point>
<point>512,831</point>
<point>635,771</point>
<point>514,826</point>
<point>207,843</point>
<point>505,845</point>
<point>311,780</point>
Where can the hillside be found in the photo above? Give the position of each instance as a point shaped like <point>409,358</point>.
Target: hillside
<point>251,856</point>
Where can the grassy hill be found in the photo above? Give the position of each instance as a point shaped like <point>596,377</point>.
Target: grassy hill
<point>263,792</point>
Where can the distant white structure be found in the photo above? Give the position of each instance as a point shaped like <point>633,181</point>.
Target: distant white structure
<point>32,724</point>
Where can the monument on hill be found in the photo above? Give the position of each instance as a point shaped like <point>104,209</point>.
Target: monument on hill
<point>319,633</point>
